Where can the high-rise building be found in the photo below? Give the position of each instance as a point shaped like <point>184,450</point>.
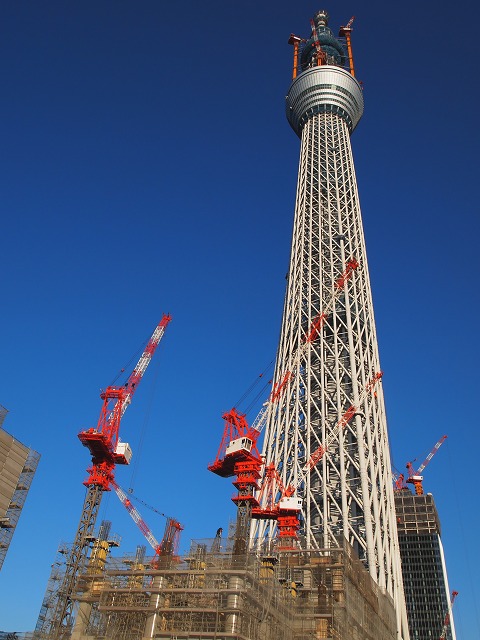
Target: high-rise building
<point>18,464</point>
<point>328,409</point>
<point>423,565</point>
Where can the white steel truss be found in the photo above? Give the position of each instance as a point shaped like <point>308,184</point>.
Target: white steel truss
<point>348,493</point>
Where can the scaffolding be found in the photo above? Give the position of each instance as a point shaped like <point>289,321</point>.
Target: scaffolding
<point>209,594</point>
<point>54,593</point>
<point>18,465</point>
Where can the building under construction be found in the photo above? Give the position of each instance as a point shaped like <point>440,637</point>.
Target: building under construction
<point>18,464</point>
<point>212,593</point>
<point>423,563</point>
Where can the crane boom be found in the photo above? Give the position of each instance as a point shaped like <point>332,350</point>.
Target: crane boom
<point>172,529</point>
<point>431,454</point>
<point>414,477</point>
<point>145,359</point>
<point>136,517</point>
<point>103,440</point>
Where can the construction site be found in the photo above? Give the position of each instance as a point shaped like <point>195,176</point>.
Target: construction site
<point>212,593</point>
<point>314,551</point>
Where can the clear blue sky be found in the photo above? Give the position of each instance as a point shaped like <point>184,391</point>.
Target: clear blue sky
<point>147,166</point>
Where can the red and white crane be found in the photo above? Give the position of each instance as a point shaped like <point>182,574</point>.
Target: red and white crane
<point>171,537</point>
<point>414,477</point>
<point>103,442</point>
<point>447,619</point>
<point>107,451</point>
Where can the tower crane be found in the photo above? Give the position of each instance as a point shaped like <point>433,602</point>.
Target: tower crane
<point>286,512</point>
<point>446,621</point>
<point>345,32</point>
<point>398,481</point>
<point>238,454</point>
<point>171,537</point>
<point>414,477</point>
<point>321,56</point>
<point>107,451</point>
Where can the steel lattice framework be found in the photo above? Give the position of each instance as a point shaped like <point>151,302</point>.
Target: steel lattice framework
<point>348,493</point>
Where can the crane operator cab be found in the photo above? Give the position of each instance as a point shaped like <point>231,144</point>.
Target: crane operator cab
<point>291,503</point>
<point>239,445</point>
<point>123,453</point>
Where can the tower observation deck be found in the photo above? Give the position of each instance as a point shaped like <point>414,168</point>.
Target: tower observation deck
<point>348,492</point>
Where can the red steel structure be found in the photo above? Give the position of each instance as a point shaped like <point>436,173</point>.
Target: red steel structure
<point>414,477</point>
<point>107,451</point>
<point>238,456</point>
<point>171,537</point>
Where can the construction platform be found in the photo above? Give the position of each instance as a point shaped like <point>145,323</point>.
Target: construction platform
<point>214,595</point>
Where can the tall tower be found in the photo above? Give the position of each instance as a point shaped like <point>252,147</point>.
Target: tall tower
<point>325,360</point>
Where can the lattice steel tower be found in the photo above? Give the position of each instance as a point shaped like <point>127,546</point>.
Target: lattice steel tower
<point>328,353</point>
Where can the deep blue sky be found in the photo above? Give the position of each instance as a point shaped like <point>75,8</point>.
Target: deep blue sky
<point>147,166</point>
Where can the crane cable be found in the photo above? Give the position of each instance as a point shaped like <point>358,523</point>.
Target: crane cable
<point>252,387</point>
<point>145,504</point>
<point>133,359</point>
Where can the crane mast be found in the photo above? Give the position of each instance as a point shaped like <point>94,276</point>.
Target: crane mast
<point>107,451</point>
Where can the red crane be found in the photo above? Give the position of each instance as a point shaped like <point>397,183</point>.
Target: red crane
<point>321,56</point>
<point>238,454</point>
<point>446,621</point>
<point>238,436</point>
<point>171,537</point>
<point>414,477</point>
<point>107,451</point>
